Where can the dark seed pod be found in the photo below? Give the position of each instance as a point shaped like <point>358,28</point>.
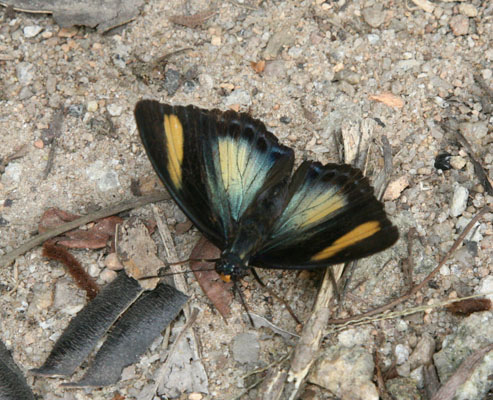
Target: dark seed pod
<point>13,385</point>
<point>88,326</point>
<point>132,334</point>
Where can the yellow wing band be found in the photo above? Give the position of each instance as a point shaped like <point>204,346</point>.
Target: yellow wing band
<point>358,234</point>
<point>324,206</point>
<point>174,142</point>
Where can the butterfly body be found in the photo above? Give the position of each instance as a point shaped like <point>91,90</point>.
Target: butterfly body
<point>234,180</point>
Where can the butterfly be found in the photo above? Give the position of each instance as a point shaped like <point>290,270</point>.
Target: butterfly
<point>234,181</point>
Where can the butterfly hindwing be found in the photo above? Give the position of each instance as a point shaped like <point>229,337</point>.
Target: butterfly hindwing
<point>215,164</point>
<point>330,216</point>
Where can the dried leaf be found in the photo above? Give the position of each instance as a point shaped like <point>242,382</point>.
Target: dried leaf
<point>183,227</point>
<point>388,99</point>
<point>54,217</point>
<point>218,292</point>
<point>94,238</point>
<point>137,252</point>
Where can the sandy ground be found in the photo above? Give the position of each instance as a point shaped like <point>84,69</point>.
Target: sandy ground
<point>324,62</point>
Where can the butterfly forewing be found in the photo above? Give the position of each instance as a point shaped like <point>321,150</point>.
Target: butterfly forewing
<point>330,216</point>
<point>214,164</point>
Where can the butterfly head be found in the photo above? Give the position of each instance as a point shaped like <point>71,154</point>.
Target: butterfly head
<point>231,267</point>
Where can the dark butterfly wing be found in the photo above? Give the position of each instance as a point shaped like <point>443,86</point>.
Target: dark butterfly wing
<point>330,216</point>
<point>214,164</point>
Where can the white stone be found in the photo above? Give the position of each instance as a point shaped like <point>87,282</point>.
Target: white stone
<point>114,110</point>
<point>31,30</point>
<point>238,96</point>
<point>13,172</point>
<point>459,201</point>
<point>486,286</point>
<point>25,73</point>
<point>104,175</point>
<point>373,38</point>
<point>206,81</point>
<point>401,354</point>
<point>92,106</point>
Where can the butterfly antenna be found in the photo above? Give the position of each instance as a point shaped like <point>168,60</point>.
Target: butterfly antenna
<point>192,260</point>
<point>276,296</point>
<point>236,289</point>
<point>163,274</point>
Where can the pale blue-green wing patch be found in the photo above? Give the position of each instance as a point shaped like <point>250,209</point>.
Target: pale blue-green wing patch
<point>214,164</point>
<point>330,216</point>
<point>247,160</point>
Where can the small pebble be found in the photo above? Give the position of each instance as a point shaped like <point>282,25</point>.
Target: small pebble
<point>459,25</point>
<point>76,110</point>
<point>112,262</point>
<point>401,354</point>
<point>114,110</point>
<point>487,74</point>
<point>195,396</point>
<point>347,372</point>
<point>475,130</point>
<point>238,96</point>
<point>25,93</point>
<point>457,162</point>
<point>373,38</point>
<point>32,30</point>
<point>395,188</point>
<point>107,275</point>
<point>68,32</point>
<point>459,201</point>
<point>93,270</point>
<point>275,68</point>
<point>423,353</point>
<point>92,106</point>
<point>216,40</point>
<point>25,73</point>
<point>486,286</point>
<point>374,16</point>
<point>468,10</point>
<point>206,81</point>
<point>172,81</point>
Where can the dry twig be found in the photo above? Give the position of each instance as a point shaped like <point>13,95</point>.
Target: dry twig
<point>56,130</point>
<point>193,21</point>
